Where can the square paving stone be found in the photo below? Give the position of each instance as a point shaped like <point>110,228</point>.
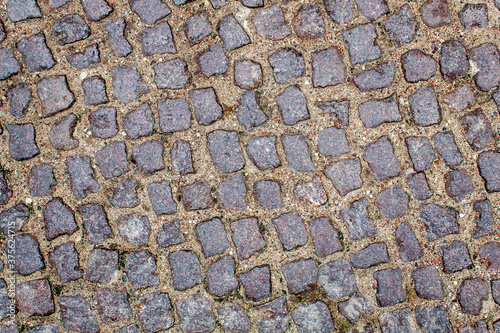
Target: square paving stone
<point>397,321</point>
<point>89,57</point>
<point>41,180</point>
<point>19,99</point>
<point>96,223</point>
<point>157,40</point>
<point>172,74</point>
<point>421,153</point>
<point>392,202</point>
<point>220,277</point>
<point>182,162</point>
<point>22,143</point>
<point>125,194</point>
<point>150,11</point>
<point>333,142</point>
<point>372,9</point>
<point>491,252</point>
<point>338,110</point>
<point>141,269</point>
<point>361,43</point>
<point>458,184</point>
<point>378,77</point>
<point>112,160</point>
<point>35,53</point>
<point>487,61</point>
<point>247,237</point>
<point>22,10</point>
<point>369,256</point>
<point>212,236</point>
<point>27,251</point>
<point>418,185</point>
<point>195,314</point>
<point>197,28</point>
<point>5,191</point>
<point>424,107</point>
<point>149,156</point>
<point>262,152</point>
<point>297,152</point>
<point>59,219</point>
<point>312,193</point>
<point>478,132</point>
<point>257,283</point>
<point>77,315</point>
<point>197,196</point>
<point>175,115</point>
<point>231,33</point>
<point>300,275</point>
<point>389,287</point>
<point>287,64</point>
<point>428,284</point>
<point>55,95</point>
<point>446,147</point>
<point>272,316</point>
<point>438,220</point>
<point>225,151</point>
<point>232,193</point>
<point>233,318</point>
<point>408,246</point>
<point>116,37</point>
<point>484,220</point>
<point>70,28</point>
<point>185,268</point>
<point>61,134</point>
<point>103,123</point>
<point>460,98</point>
<point>267,193</point>
<point>313,317</point>
<point>96,10</point>
<point>380,156</point>
<point>270,23</point>
<point>213,60</point>
<point>139,122</point>
<point>328,67</point>
<point>101,266</point>
<point>308,22</point>
<point>355,308</point>
<point>401,25</point>
<point>471,295</point>
<point>359,224</point>
<point>14,218</point>
<point>94,89</point>
<point>418,66</point>
<point>127,84</point>
<point>134,228</point>
<point>453,60</point>
<point>156,312</point>
<point>206,106</point>
<point>376,112</point>
<point>66,261</point>
<point>455,257</point>
<point>34,298</point>
<point>170,234</point>
<point>82,176</point>
<point>435,13</point>
<point>325,237</point>
<point>249,113</point>
<point>247,74</point>
<point>113,305</point>
<point>291,230</point>
<point>474,16</point>
<point>489,167</point>
<point>345,175</point>
<point>292,105</point>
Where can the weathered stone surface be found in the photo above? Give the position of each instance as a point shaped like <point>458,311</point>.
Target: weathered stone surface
<point>435,13</point>
<point>376,112</point>
<point>361,43</point>
<point>13,219</point>
<point>48,328</point>
<point>345,175</point>
<point>250,3</point>
<point>5,190</point>
<point>212,237</point>
<point>134,228</point>
<point>474,16</point>
<point>270,23</point>
<point>185,267</point>
<point>491,253</point>
<point>340,11</point>
<point>438,220</point>
<point>36,55</point>
<point>116,37</point>
<point>61,134</point>
<point>428,284</point>
<point>418,185</point>
<point>96,223</point>
<point>141,269</point>
<point>477,327</point>
<point>197,28</point>
<point>195,314</point>
<point>140,122</point>
<point>484,220</point>
<point>77,315</point>
<point>232,193</point>
<point>233,318</point>
<point>311,192</point>
<point>247,237</point>
<point>401,25</point>
<point>19,99</point>
<point>149,156</point>
<point>392,202</point>
<point>125,194</point>
<point>82,176</point>
<point>59,219</point>
<point>182,163</point>
<point>489,167</point>
<point>328,67</point>
<point>287,65</point>
<point>70,28</point>
<point>300,275</point>
<point>66,262</point>
<point>378,77</point>
<point>54,94</point>
<point>170,234</point>
<point>113,305</point>
<point>197,196</point>
<point>478,132</point>
<point>339,110</point>
<point>249,113</point>
<point>231,33</point>
<point>156,312</point>
<point>389,287</point>
<point>372,255</point>
<point>96,10</point>
<point>460,98</point>
<point>291,230</point>
<point>150,11</point>
<point>89,57</point>
<point>487,60</point>
<point>372,9</point>
<point>22,144</point>
<point>101,266</point>
<point>112,160</point>
<point>127,84</point>
<point>267,193</point>
<point>333,142</point>
<point>455,257</point>
<point>421,153</point>
<point>34,298</point>
<point>453,60</point>
<point>247,74</point>
<point>174,115</point>
<point>308,22</point>
<point>225,151</point>
<point>471,295</point>
<point>355,308</point>
<point>297,152</point>
<point>458,184</point>
<point>206,106</point>
<point>292,105</point>
<point>424,107</point>
<point>257,283</point>
<point>220,277</point>
<point>272,316</point>
<point>41,180</point>
<point>313,317</point>
<point>447,147</point>
<point>495,290</point>
<point>213,60</point>
<point>337,279</point>
<point>418,66</point>
<point>172,74</point>
<point>157,40</point>
<point>356,217</point>
<point>409,248</point>
<point>27,254</point>
<point>22,10</point>
<point>262,152</point>
<point>380,156</point>
<point>94,89</point>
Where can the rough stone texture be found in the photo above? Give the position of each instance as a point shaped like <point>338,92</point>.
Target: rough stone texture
<point>490,251</point>
<point>378,77</point>
<point>355,308</point>
<point>66,262</point>
<point>19,99</point>
<point>455,257</point>
<point>389,287</point>
<point>270,23</point>
<point>82,176</point>
<point>233,318</point>
<point>292,105</point>
<point>297,152</point>
<point>70,29</point>
<point>345,175</point>
<point>446,146</point>
<point>313,317</point>
<point>471,294</point>
<point>300,275</point>
<point>96,223</point>
<point>435,13</point>
<point>113,305</point>
<point>328,67</point>
<point>125,194</point>
<point>489,167</point>
<point>359,224</point>
<point>333,142</point>
<point>212,237</point>
<point>397,321</point>
<point>27,254</point>
<point>401,26</point>
<point>232,193</point>
<point>5,190</point>
<point>272,316</point>
<point>182,162</point>
<point>372,255</point>
<point>127,84</point>
<point>41,180</point>
<point>139,122</point>
<point>232,34</point>
<point>484,220</point>
<point>477,327</point>
<point>197,196</point>
<point>22,144</point>
<point>380,156</point>
<point>421,153</point>
<point>77,315</point>
<point>267,193</point>
<point>247,237</point>
<point>174,115</point>
<point>339,110</point>
<point>185,267</point>
<point>116,37</point>
<point>170,234</point>
<point>340,11</point>
<point>262,152</point>
<point>89,57</point>
<point>458,184</point>
<point>428,284</point>
<point>247,74</point>
<point>112,160</point>
<point>409,248</point>
<point>206,107</point>
<point>392,202</point>
<point>361,43</point>
<point>485,57</point>
<point>460,98</point>
<point>157,40</point>
<point>376,112</point>
<point>34,298</point>
<point>172,74</point>
<point>337,279</point>
<point>418,185</point>
<point>59,219</point>
<point>287,65</point>
<point>141,267</point>
<point>13,219</point>
<point>213,60</point>
<point>197,28</point>
<point>257,283</point>
<point>195,314</point>
<point>35,52</point>
<point>220,277</point>
<point>308,22</point>
<point>134,228</point>
<point>156,312</point>
<point>453,60</point>
<point>372,9</point>
<point>9,65</point>
<point>61,134</point>
<point>249,113</point>
<point>225,150</point>
<point>101,266</point>
<point>149,156</point>
<point>418,66</point>
<point>22,10</point>
<point>424,107</point>
<point>150,11</point>
<point>94,89</point>
<point>438,220</point>
<point>54,95</point>
<point>478,132</point>
<point>433,319</point>
<point>474,16</point>
<point>312,193</point>
<point>291,230</point>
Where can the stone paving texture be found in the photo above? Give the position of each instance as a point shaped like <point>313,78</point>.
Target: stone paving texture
<point>250,166</point>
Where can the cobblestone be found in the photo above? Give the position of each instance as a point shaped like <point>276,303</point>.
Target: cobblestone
<point>372,255</point>
<point>66,261</point>
<point>103,123</point>
<point>257,283</point>
<point>337,279</point>
<point>141,269</point>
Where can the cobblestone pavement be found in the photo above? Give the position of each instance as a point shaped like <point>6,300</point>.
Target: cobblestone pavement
<point>250,166</point>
